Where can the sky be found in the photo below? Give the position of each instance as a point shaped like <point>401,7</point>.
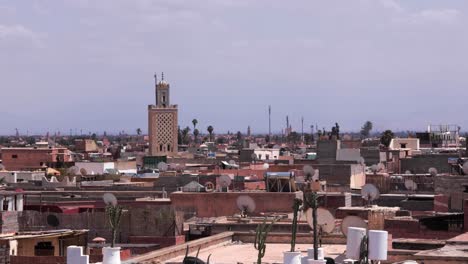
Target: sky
<point>89,64</point>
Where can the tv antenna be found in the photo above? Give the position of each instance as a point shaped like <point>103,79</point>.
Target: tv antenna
<point>370,193</point>
<point>162,166</point>
<point>433,171</point>
<point>352,221</point>
<point>246,205</point>
<point>109,199</point>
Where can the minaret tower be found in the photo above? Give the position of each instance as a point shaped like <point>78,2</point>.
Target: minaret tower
<point>162,121</point>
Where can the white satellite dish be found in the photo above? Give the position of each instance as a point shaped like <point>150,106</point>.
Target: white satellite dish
<point>109,199</point>
<point>408,172</point>
<point>465,167</point>
<point>352,221</point>
<point>369,192</point>
<point>2,167</point>
<point>224,181</point>
<point>254,156</point>
<point>362,161</point>
<point>74,170</point>
<point>325,219</point>
<point>162,166</point>
<point>245,204</point>
<point>433,172</point>
<point>381,166</point>
<point>83,171</point>
<point>410,185</point>
<point>266,166</point>
<point>374,168</point>
<point>309,172</point>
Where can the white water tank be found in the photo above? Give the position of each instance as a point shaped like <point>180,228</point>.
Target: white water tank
<point>353,242</point>
<point>378,243</point>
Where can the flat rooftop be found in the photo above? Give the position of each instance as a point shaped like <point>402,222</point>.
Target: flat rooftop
<point>237,252</point>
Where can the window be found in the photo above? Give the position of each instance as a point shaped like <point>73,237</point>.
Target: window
<point>14,156</point>
<point>403,145</point>
<point>160,147</point>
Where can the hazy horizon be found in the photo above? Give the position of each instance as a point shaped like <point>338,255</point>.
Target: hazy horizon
<point>80,64</point>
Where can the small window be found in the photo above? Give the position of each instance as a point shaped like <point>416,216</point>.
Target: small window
<point>403,145</point>
<point>14,156</point>
<point>41,163</point>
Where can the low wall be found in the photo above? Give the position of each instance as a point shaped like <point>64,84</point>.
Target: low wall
<point>179,250</point>
<point>38,260</point>
<point>224,203</point>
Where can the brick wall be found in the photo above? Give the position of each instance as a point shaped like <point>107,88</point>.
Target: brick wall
<point>224,204</point>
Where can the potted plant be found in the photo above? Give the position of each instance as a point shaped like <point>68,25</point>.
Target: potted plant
<point>111,255</point>
<point>293,257</point>
<point>312,202</point>
<point>261,234</point>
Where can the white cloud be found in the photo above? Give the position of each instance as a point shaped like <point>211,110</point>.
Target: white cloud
<point>16,32</point>
<point>392,4</point>
<point>445,16</point>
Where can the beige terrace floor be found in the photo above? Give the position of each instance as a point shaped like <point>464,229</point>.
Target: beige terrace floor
<point>246,253</point>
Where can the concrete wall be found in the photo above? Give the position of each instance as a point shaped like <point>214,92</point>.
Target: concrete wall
<point>95,167</point>
<point>33,158</point>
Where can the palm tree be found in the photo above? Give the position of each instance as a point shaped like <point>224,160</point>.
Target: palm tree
<point>195,134</point>
<point>210,130</point>
<point>185,132</point>
<point>194,122</point>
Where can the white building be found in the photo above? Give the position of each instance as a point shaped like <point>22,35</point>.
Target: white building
<point>267,154</point>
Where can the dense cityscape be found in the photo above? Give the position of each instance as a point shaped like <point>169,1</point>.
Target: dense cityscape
<point>183,188</point>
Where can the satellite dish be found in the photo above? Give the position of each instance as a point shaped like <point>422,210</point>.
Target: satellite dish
<point>266,166</point>
<point>465,167</point>
<point>309,172</point>
<point>433,172</point>
<point>362,161</point>
<point>410,185</point>
<point>2,167</point>
<point>232,162</point>
<point>52,220</point>
<point>408,172</point>
<point>224,181</point>
<point>254,156</point>
<point>83,171</point>
<point>369,192</point>
<point>352,221</point>
<point>73,170</point>
<point>245,204</point>
<point>381,166</point>
<point>209,186</point>
<point>325,219</point>
<point>109,199</point>
<point>162,166</point>
<point>374,168</point>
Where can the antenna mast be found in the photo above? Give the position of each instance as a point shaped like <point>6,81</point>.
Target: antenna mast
<point>269,121</point>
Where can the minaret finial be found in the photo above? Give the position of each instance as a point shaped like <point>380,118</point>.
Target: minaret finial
<point>155,78</point>
<point>162,76</point>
